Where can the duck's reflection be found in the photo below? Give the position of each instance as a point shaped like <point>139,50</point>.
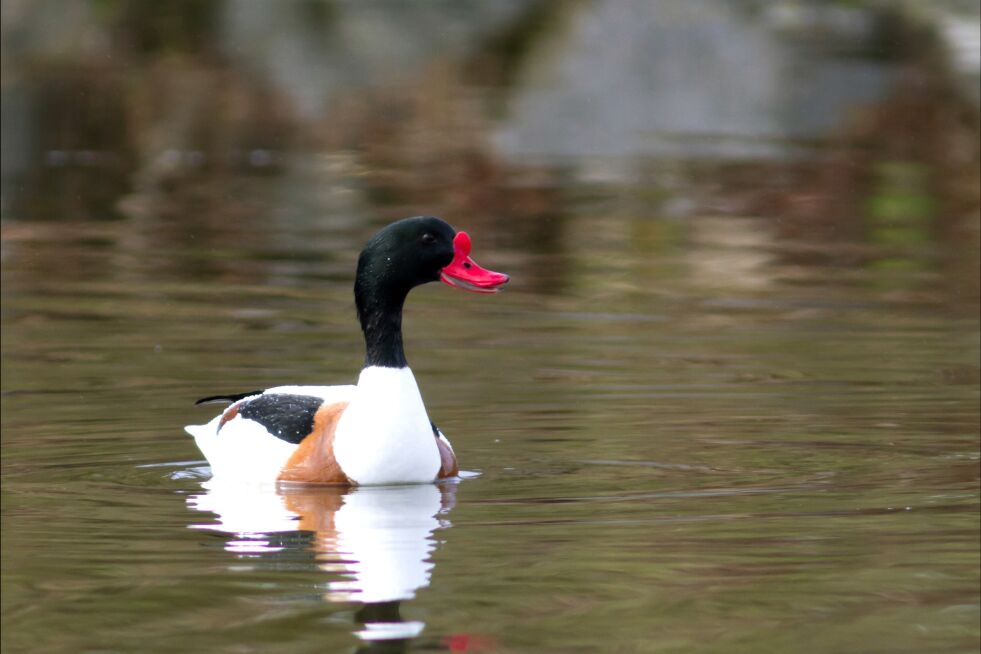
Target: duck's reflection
<point>375,541</point>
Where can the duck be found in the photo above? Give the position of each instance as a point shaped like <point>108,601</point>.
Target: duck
<point>374,432</point>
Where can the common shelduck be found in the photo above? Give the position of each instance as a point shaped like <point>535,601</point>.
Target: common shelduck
<point>375,432</point>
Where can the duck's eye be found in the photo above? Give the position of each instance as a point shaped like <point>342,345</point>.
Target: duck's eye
<point>428,239</point>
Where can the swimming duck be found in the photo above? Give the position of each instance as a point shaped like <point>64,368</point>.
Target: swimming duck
<point>374,432</point>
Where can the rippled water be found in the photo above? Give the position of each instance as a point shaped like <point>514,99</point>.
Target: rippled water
<point>671,452</point>
<point>728,403</point>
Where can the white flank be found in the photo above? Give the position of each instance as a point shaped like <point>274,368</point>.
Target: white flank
<point>242,450</point>
<point>384,436</point>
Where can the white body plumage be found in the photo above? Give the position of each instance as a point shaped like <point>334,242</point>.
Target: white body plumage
<point>383,436</point>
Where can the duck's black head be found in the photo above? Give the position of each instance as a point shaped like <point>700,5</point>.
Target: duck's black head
<point>404,255</point>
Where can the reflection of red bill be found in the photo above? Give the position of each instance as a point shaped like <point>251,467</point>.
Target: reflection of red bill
<point>470,643</point>
<point>463,272</point>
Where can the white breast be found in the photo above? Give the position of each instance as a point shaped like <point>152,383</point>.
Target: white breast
<point>384,436</point>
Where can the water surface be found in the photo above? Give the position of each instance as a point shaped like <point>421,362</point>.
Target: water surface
<point>663,463</point>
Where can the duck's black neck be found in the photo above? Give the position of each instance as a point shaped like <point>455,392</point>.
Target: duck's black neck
<point>380,313</point>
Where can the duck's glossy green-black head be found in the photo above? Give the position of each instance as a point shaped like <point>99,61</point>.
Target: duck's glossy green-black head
<point>400,257</point>
<point>418,250</point>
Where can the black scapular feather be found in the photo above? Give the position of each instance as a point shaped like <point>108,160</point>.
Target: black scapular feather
<point>214,399</point>
<point>285,416</point>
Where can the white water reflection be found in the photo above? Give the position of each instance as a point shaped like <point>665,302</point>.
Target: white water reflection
<point>376,542</point>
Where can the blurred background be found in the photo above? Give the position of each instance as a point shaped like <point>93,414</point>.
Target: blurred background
<point>854,123</point>
<point>728,402</point>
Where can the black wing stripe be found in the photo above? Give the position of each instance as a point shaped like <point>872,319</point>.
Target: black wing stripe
<point>214,399</point>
